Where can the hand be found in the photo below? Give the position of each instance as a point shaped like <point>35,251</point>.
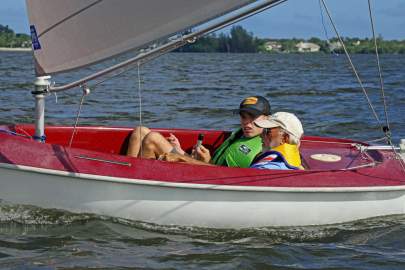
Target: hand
<point>203,154</point>
<point>172,157</point>
<point>175,143</point>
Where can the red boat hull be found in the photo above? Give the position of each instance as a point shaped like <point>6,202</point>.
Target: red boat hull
<point>101,151</point>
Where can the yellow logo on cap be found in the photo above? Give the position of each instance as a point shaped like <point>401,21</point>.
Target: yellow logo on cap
<point>250,101</point>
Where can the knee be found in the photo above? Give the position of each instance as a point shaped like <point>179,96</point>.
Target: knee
<point>139,133</point>
<point>152,138</point>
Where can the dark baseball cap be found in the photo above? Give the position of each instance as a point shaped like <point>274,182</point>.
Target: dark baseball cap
<point>255,105</point>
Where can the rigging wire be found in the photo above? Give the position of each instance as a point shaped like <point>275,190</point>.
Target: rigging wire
<point>323,22</point>
<point>387,130</point>
<point>377,140</point>
<point>96,84</point>
<point>379,70</point>
<point>86,91</point>
<point>140,107</point>
<point>332,50</point>
<point>15,133</point>
<point>133,66</point>
<point>352,66</point>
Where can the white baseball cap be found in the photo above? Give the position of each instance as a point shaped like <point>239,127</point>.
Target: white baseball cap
<point>287,121</point>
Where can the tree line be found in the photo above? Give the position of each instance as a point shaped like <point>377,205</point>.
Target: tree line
<point>10,39</point>
<point>239,40</point>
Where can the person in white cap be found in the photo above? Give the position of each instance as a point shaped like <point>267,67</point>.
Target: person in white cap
<point>281,139</point>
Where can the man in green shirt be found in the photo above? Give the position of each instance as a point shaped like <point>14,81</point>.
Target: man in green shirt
<point>238,150</point>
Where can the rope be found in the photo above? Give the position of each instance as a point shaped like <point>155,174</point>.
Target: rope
<point>95,85</point>
<point>377,140</point>
<point>17,128</point>
<point>324,28</point>
<point>380,73</point>
<point>323,22</point>
<point>15,133</point>
<point>397,155</point>
<point>140,107</point>
<point>387,130</point>
<point>352,65</point>
<point>86,91</point>
<point>131,67</point>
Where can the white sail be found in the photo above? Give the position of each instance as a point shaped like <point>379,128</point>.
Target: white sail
<point>68,34</point>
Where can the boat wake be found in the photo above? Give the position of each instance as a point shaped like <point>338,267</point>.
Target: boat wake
<point>358,232</point>
<point>31,215</point>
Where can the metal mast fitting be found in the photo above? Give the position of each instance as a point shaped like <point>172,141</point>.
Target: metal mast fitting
<point>42,85</point>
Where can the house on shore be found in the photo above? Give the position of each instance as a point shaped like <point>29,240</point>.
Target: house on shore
<point>307,47</point>
<point>335,45</point>
<point>356,43</point>
<point>273,46</point>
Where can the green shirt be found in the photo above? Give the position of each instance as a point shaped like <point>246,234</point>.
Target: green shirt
<point>237,150</point>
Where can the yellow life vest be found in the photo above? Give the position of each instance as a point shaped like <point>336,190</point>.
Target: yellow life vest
<point>290,153</point>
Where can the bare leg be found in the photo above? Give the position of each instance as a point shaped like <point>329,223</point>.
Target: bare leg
<point>154,145</point>
<point>136,139</point>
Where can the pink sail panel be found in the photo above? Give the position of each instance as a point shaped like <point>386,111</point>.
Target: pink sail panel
<point>75,33</point>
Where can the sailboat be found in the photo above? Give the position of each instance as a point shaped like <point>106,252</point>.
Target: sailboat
<point>85,170</point>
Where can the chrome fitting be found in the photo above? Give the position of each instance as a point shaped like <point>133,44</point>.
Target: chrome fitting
<point>402,146</point>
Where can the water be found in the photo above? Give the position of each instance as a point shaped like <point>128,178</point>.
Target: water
<point>199,91</point>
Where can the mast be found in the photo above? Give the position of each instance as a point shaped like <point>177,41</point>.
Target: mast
<point>41,90</point>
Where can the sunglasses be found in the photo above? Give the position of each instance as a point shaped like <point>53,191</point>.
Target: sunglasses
<point>266,131</point>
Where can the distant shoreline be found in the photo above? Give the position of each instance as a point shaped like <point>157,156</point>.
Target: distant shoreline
<point>5,49</point>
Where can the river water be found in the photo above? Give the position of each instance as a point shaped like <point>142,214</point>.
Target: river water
<point>199,91</point>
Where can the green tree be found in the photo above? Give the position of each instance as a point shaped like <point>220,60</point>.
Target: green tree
<point>9,39</point>
<point>242,41</point>
<point>224,43</point>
